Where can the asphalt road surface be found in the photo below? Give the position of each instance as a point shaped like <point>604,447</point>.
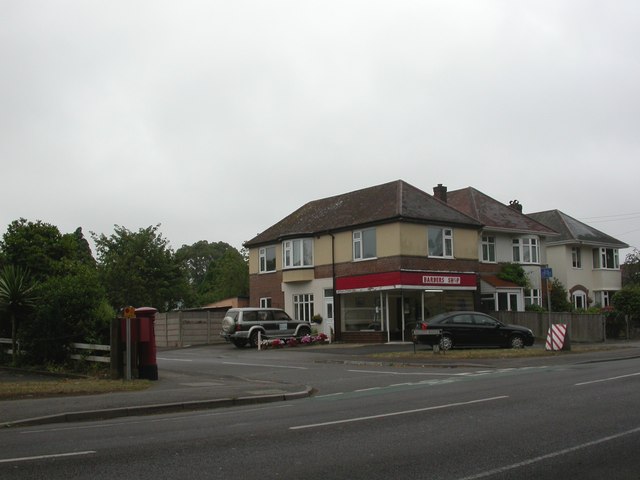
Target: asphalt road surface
<point>365,421</point>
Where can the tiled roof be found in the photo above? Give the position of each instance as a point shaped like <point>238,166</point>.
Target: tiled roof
<point>497,282</point>
<point>493,214</point>
<point>393,201</point>
<point>574,231</point>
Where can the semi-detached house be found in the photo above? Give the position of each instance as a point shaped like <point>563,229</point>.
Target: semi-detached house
<point>585,260</point>
<point>373,262</point>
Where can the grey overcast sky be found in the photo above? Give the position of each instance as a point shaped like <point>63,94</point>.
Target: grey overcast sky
<point>218,118</point>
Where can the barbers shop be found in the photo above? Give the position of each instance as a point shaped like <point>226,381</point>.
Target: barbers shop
<point>385,307</point>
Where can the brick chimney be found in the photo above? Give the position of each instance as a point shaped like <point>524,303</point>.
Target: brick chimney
<point>516,205</point>
<point>440,192</point>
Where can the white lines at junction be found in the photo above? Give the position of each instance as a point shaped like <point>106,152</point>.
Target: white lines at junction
<point>548,456</point>
<point>264,365</point>
<point>43,457</point>
<point>394,414</point>
<point>607,379</point>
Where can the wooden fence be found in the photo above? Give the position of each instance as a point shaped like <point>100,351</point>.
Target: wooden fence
<point>184,328</point>
<point>582,327</point>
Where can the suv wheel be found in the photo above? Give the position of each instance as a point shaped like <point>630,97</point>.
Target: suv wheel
<point>304,331</point>
<point>253,339</point>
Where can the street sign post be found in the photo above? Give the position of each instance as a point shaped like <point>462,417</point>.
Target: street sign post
<point>129,313</point>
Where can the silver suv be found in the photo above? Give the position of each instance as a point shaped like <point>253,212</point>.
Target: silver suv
<point>242,325</point>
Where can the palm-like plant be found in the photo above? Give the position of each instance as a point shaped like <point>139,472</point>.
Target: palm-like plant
<point>17,293</point>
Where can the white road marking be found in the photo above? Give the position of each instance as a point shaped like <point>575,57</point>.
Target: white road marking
<point>551,455</point>
<point>412,373</point>
<point>42,457</point>
<point>264,365</point>
<point>174,359</point>
<point>394,414</point>
<point>607,379</point>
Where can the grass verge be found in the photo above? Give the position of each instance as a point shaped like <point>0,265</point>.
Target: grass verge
<point>470,354</point>
<point>66,387</point>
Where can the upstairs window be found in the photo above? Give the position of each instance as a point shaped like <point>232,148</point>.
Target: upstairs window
<point>488,249</point>
<point>606,258</point>
<point>364,244</point>
<point>440,242</point>
<point>297,253</point>
<point>576,258</point>
<point>526,250</point>
<point>267,259</point>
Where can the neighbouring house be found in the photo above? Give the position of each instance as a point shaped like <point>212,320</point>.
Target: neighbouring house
<point>371,262</point>
<point>507,236</point>
<point>585,260</point>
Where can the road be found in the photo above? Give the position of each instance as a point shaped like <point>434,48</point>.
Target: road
<point>365,421</point>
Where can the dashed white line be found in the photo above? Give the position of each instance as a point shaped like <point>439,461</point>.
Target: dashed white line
<point>607,379</point>
<point>559,453</point>
<point>264,365</point>
<point>42,457</point>
<point>393,414</point>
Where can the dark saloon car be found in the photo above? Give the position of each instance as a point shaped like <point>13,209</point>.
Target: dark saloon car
<point>470,329</point>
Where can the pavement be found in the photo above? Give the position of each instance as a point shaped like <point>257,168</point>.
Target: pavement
<point>176,392</point>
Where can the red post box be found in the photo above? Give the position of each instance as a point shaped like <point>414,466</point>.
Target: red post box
<point>146,338</point>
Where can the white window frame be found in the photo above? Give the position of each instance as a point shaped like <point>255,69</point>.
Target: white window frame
<point>265,302</point>
<point>574,299</point>
<point>446,237</point>
<point>303,307</point>
<point>264,259</point>
<point>576,257</point>
<point>532,297</point>
<point>297,253</point>
<point>526,250</point>
<point>601,258</point>
<point>489,248</point>
<point>363,243</point>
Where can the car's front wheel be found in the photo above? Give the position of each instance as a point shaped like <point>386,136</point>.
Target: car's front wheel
<point>446,342</point>
<point>517,342</point>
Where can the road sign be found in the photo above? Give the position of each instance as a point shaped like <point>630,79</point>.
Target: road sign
<point>546,273</point>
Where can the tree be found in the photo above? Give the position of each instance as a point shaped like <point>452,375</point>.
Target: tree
<point>34,246</point>
<point>631,269</point>
<point>627,300</point>
<point>214,270</point>
<point>559,295</point>
<point>514,273</point>
<point>227,277</point>
<point>71,301</point>
<point>139,269</point>
<point>16,295</point>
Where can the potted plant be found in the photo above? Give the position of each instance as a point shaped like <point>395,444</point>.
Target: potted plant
<point>317,318</point>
